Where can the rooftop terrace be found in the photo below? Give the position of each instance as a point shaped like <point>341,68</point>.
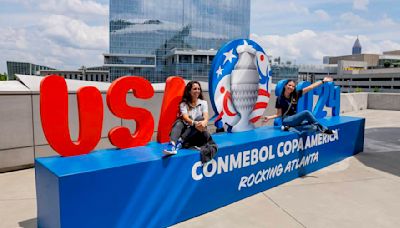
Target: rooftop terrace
<point>361,191</point>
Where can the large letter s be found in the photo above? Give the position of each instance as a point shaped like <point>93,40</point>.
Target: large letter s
<point>116,101</point>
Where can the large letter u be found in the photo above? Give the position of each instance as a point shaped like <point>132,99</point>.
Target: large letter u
<point>54,116</point>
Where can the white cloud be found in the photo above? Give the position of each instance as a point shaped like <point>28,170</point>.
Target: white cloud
<point>262,7</point>
<point>293,8</point>
<point>74,33</point>
<point>56,41</point>
<point>351,19</point>
<point>379,46</point>
<point>386,21</point>
<point>69,6</point>
<point>384,28</point>
<point>68,33</point>
<point>309,47</point>
<point>361,4</point>
<point>64,34</point>
<point>322,14</point>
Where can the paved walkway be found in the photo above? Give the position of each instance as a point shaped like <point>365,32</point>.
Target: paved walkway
<point>361,191</point>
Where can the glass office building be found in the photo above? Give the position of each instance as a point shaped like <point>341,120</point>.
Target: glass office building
<point>159,38</point>
<point>281,71</point>
<point>14,68</point>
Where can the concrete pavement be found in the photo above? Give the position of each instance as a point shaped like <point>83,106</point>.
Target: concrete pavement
<point>361,191</point>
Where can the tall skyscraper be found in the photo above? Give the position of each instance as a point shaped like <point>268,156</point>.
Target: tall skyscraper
<point>159,38</point>
<point>356,47</point>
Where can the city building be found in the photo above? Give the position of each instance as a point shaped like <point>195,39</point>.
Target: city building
<point>370,80</point>
<point>312,73</point>
<point>358,76</point>
<point>361,72</point>
<point>356,47</point>
<point>355,76</point>
<point>158,38</point>
<point>99,74</point>
<point>390,58</point>
<point>370,59</point>
<point>24,68</point>
<point>194,63</point>
<point>396,52</point>
<point>281,70</point>
<point>284,71</point>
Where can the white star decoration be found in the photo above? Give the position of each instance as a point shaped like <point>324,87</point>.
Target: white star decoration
<point>229,56</point>
<point>219,71</point>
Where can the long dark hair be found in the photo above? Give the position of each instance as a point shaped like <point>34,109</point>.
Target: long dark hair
<point>187,98</point>
<point>294,96</point>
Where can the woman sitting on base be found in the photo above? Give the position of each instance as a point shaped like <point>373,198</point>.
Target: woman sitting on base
<point>286,107</point>
<point>190,129</point>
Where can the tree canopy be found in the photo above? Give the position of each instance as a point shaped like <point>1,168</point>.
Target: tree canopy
<point>3,77</point>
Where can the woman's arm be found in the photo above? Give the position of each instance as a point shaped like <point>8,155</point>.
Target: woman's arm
<point>185,114</point>
<point>316,84</point>
<point>201,125</point>
<point>278,114</point>
<point>186,118</point>
<point>205,121</point>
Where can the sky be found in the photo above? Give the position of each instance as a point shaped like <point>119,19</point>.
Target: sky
<point>67,34</point>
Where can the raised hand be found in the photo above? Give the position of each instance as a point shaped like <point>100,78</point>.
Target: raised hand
<point>328,79</point>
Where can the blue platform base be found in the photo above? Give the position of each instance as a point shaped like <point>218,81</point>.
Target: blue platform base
<point>137,187</point>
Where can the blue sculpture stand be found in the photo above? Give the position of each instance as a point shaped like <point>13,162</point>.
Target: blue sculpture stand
<point>139,187</point>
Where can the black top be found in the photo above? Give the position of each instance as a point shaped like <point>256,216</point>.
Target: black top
<point>284,103</point>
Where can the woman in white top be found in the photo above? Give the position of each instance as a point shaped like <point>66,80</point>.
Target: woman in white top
<point>191,127</point>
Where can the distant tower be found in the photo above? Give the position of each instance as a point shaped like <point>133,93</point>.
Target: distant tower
<point>356,47</point>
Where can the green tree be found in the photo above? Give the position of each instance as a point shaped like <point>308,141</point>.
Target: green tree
<point>358,90</point>
<point>387,64</point>
<point>3,77</point>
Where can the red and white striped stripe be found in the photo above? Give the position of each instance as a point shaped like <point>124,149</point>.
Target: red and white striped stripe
<point>261,105</point>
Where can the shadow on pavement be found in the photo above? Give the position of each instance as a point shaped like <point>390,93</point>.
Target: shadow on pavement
<point>382,150</point>
<point>30,223</point>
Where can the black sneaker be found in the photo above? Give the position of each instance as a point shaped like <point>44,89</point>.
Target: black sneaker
<point>328,132</point>
<point>285,128</point>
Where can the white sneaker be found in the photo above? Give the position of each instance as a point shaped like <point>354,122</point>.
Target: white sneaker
<point>171,149</point>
